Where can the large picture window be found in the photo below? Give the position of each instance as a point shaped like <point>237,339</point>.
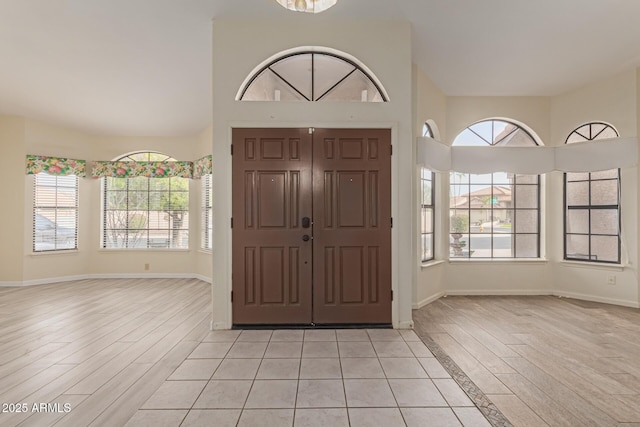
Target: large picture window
<point>55,212</point>
<point>592,206</point>
<point>141,212</point>
<point>494,215</point>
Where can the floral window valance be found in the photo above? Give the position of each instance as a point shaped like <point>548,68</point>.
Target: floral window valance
<point>119,169</point>
<point>128,169</point>
<point>55,166</point>
<point>203,166</point>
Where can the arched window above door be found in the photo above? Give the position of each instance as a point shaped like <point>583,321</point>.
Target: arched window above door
<point>312,76</point>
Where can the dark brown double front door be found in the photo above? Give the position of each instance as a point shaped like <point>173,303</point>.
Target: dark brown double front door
<point>311,226</point>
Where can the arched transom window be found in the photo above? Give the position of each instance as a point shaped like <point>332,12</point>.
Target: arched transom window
<point>495,215</point>
<point>592,206</point>
<point>312,76</point>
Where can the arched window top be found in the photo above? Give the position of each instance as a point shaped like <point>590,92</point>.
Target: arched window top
<point>495,132</point>
<point>591,131</point>
<point>145,156</point>
<point>426,130</point>
<point>312,75</point>
<point>430,130</point>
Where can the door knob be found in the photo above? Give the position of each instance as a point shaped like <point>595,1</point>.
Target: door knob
<point>306,238</point>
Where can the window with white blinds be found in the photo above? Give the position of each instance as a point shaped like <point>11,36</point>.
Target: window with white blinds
<point>55,212</point>
<point>206,213</point>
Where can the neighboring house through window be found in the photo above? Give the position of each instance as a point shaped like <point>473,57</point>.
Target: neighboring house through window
<point>592,206</point>
<point>495,215</point>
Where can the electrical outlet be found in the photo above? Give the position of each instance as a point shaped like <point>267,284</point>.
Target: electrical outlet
<point>146,267</point>
<point>611,280</point>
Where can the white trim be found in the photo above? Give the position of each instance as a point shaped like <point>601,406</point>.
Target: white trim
<point>613,301</point>
<point>429,300</point>
<point>315,49</point>
<point>51,280</point>
<point>203,278</point>
<point>431,263</point>
<point>502,292</point>
<point>404,325</point>
<point>224,278</point>
<point>592,265</point>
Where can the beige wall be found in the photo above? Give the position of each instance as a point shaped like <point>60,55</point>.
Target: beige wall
<point>385,48</point>
<point>12,130</point>
<point>612,100</point>
<point>19,137</point>
<point>430,103</point>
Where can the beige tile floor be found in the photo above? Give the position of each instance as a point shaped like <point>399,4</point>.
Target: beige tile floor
<point>349,377</point>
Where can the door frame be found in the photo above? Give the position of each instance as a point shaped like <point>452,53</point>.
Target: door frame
<point>223,280</point>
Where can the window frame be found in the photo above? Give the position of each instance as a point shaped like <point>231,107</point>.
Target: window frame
<point>513,184</point>
<point>590,206</point>
<point>56,208</point>
<point>268,67</point>
<point>159,157</point>
<point>427,207</point>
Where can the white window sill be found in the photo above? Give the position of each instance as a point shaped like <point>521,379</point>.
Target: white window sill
<point>205,251</point>
<point>593,265</point>
<point>58,252</point>
<point>498,260</point>
<point>156,250</point>
<point>431,263</point>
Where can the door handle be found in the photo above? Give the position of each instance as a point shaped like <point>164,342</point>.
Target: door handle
<point>306,222</point>
<point>306,238</point>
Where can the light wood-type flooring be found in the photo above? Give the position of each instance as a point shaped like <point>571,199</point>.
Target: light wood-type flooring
<point>103,347</point>
<point>140,353</point>
<point>544,360</point>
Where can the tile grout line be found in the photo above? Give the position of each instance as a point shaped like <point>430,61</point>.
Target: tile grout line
<point>490,411</point>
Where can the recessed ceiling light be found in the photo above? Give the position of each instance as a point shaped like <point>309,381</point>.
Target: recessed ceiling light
<point>310,6</point>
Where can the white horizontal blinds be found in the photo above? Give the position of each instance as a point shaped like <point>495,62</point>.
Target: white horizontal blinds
<point>141,212</point>
<point>206,213</point>
<point>55,212</point>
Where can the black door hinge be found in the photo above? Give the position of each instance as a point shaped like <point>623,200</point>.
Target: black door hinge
<point>231,296</point>
<point>391,294</point>
<point>391,150</point>
<point>231,222</point>
<point>232,149</point>
<point>392,222</point>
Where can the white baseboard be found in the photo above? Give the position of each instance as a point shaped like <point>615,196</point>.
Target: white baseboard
<point>502,292</point>
<point>203,278</point>
<point>613,301</point>
<point>46,281</point>
<point>11,284</point>
<point>428,300</point>
<point>61,279</point>
<point>219,326</point>
<point>407,324</point>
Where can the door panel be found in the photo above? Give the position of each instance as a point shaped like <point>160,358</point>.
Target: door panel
<point>352,228</point>
<point>342,273</point>
<point>271,264</point>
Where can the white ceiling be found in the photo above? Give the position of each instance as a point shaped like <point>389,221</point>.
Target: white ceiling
<point>142,67</point>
